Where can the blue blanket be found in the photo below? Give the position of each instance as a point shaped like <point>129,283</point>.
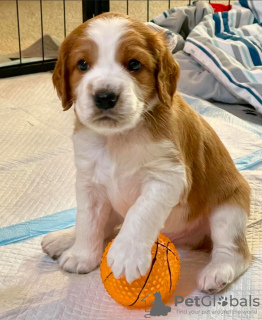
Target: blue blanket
<point>229,45</point>
<point>226,45</point>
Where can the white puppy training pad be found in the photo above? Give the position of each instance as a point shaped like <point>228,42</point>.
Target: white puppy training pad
<point>33,287</point>
<point>37,172</point>
<point>37,181</point>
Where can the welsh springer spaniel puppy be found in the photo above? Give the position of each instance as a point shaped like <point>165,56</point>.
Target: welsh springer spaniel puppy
<point>144,158</point>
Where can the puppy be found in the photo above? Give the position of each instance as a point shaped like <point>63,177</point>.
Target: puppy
<point>144,158</point>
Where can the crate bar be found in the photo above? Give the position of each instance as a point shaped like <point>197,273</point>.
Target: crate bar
<point>18,31</point>
<point>42,30</point>
<point>93,8</point>
<point>127,7</point>
<point>147,6</point>
<point>64,10</point>
<point>101,6</point>
<point>88,7</point>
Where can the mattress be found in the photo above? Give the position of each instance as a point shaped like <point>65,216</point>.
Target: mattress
<point>37,195</point>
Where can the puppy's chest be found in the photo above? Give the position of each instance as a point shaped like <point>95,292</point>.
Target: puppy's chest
<point>119,168</point>
<point>120,173</point>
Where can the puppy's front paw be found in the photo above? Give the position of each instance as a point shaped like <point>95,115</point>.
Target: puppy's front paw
<point>128,258</point>
<point>75,261</point>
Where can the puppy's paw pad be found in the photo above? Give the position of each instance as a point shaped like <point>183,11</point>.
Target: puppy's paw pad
<point>215,277</point>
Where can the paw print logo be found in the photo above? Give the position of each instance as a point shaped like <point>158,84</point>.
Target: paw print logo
<point>223,301</point>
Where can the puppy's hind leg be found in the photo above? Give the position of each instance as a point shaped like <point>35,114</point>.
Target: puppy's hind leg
<point>230,254</point>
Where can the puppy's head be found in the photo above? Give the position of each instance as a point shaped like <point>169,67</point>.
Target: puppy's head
<point>114,69</point>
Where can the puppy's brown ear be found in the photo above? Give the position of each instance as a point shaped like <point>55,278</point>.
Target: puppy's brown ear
<point>167,72</point>
<point>61,78</point>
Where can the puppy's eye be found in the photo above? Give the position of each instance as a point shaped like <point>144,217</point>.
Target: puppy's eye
<point>82,65</point>
<point>134,65</point>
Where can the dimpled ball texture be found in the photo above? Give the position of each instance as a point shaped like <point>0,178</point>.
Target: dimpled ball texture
<point>162,276</point>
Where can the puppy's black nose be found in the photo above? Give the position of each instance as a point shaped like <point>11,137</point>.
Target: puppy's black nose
<point>105,99</point>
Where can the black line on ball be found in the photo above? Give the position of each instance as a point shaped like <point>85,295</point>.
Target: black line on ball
<point>152,265</point>
<point>167,248</point>
<point>168,267</point>
<point>108,276</point>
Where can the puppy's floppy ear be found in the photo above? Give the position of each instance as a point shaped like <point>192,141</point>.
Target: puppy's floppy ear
<point>167,71</point>
<point>61,78</point>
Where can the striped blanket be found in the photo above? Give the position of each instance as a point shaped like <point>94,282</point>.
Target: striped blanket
<point>229,46</point>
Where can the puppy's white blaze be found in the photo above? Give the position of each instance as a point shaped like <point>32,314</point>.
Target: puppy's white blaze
<point>106,33</point>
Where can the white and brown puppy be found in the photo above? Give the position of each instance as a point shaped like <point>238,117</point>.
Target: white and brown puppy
<point>144,157</point>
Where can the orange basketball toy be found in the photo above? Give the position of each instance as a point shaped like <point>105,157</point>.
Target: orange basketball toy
<point>162,276</point>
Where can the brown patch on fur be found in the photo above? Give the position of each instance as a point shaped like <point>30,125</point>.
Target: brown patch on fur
<point>135,46</point>
<point>159,72</point>
<point>167,72</point>
<point>211,174</point>
<point>66,75</point>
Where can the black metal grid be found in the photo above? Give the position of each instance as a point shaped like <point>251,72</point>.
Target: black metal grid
<point>90,8</point>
